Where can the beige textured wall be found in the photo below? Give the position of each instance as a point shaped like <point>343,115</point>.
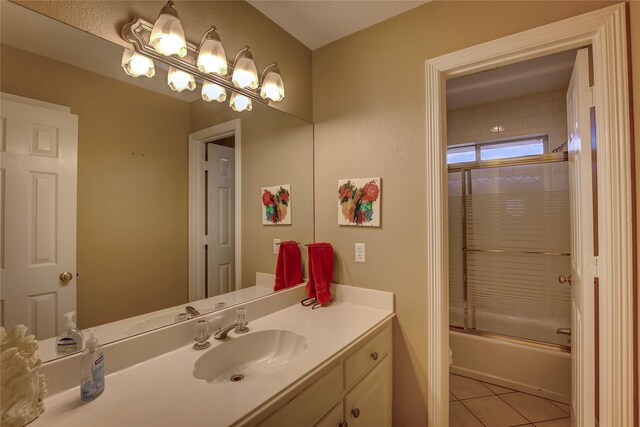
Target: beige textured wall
<point>277,148</point>
<point>369,117</point>
<point>132,186</point>
<point>238,24</point>
<point>542,113</point>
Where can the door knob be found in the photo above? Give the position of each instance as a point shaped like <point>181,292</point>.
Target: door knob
<point>564,279</point>
<point>66,276</point>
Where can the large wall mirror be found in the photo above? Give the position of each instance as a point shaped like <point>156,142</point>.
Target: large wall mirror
<point>126,242</point>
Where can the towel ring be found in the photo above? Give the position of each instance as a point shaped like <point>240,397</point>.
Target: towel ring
<point>309,301</point>
<point>318,305</point>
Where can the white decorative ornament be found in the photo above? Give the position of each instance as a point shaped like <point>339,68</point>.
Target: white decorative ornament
<point>23,388</point>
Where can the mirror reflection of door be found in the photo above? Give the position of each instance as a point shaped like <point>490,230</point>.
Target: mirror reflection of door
<point>220,214</point>
<point>39,186</point>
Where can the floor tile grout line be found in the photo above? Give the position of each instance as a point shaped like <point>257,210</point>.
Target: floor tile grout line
<point>472,413</point>
<point>540,421</point>
<point>553,402</point>
<point>472,379</point>
<point>523,416</point>
<point>554,419</point>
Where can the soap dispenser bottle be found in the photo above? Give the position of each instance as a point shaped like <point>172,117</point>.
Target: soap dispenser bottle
<point>92,370</point>
<point>71,339</point>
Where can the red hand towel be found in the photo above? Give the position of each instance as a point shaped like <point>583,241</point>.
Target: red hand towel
<point>289,266</point>
<point>320,272</point>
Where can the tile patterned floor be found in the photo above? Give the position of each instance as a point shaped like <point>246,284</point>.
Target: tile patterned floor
<point>474,403</point>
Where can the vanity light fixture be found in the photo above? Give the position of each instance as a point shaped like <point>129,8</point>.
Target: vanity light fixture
<point>240,103</point>
<point>164,43</point>
<point>213,92</point>
<point>136,65</point>
<point>167,35</point>
<point>179,80</point>
<point>245,74</point>
<point>211,56</point>
<point>272,84</point>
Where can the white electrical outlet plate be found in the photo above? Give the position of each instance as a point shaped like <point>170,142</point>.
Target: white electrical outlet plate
<point>276,246</point>
<point>360,252</point>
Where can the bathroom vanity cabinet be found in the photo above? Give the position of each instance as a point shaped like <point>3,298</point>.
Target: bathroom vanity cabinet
<point>356,390</point>
<point>335,371</point>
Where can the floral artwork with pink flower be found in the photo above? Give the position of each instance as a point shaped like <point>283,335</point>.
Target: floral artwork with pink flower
<point>276,205</point>
<point>359,202</point>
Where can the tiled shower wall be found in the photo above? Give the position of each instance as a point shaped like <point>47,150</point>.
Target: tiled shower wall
<point>543,113</point>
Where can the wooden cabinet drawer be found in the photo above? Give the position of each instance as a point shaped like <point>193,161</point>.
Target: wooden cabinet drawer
<point>369,403</point>
<point>312,403</point>
<point>333,418</point>
<point>367,357</point>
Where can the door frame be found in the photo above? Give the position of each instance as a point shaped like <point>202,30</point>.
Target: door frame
<point>197,200</point>
<point>605,31</point>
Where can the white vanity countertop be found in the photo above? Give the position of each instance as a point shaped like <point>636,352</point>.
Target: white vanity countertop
<point>164,392</point>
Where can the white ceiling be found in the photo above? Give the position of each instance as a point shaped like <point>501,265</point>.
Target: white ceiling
<point>316,23</point>
<point>520,79</point>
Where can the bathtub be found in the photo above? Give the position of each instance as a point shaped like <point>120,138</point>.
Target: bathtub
<point>545,372</point>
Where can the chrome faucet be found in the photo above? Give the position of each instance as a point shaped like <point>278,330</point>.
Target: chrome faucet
<point>240,325</point>
<point>192,311</point>
<point>222,332</point>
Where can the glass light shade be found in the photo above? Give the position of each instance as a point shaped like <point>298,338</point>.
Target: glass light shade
<point>245,74</point>
<point>272,86</point>
<point>240,103</point>
<point>136,65</point>
<point>211,56</point>
<point>167,35</point>
<point>213,92</point>
<point>178,80</point>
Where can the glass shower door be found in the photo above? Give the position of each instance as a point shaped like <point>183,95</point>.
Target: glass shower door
<point>515,243</point>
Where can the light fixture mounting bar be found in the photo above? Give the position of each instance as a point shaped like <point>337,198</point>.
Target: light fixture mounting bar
<point>138,32</point>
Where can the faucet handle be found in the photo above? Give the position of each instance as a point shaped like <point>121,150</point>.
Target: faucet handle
<point>182,317</point>
<point>202,335</point>
<point>241,321</point>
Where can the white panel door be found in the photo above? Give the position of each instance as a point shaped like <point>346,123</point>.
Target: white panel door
<point>583,261</point>
<point>220,219</point>
<point>39,163</point>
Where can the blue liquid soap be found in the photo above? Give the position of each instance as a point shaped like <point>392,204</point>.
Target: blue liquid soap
<point>92,370</point>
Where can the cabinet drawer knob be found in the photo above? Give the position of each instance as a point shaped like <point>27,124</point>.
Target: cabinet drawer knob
<point>355,412</point>
<point>343,424</point>
<point>374,355</point>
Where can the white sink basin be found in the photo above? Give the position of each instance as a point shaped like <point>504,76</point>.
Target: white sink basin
<point>250,356</point>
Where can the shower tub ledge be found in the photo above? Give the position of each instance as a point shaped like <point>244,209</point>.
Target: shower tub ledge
<point>538,371</point>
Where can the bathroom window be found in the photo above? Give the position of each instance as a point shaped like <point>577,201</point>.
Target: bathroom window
<point>461,154</point>
<point>498,150</point>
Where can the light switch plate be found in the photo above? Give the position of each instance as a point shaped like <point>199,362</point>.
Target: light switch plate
<point>360,252</point>
<point>276,246</point>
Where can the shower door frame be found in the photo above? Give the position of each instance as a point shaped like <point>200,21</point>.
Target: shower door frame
<point>605,31</point>
<point>463,168</point>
